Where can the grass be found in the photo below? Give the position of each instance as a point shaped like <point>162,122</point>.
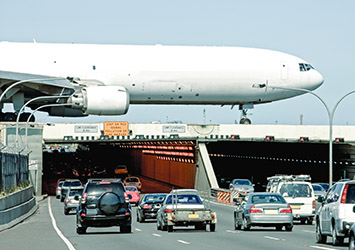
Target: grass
<point>4,193</point>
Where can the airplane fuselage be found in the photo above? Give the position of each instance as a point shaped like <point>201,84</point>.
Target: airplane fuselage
<point>167,74</point>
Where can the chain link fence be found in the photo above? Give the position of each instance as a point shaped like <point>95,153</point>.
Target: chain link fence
<point>13,170</point>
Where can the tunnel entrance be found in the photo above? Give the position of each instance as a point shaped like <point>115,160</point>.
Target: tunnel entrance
<point>258,160</point>
<point>162,164</point>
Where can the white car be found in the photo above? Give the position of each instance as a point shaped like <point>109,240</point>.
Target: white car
<point>300,196</point>
<point>336,215</point>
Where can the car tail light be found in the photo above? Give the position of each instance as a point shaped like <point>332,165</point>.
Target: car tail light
<point>67,201</point>
<point>254,210</point>
<point>127,213</point>
<point>213,216</point>
<point>147,207</point>
<point>343,197</point>
<point>168,211</point>
<point>83,214</point>
<point>314,205</point>
<point>58,189</point>
<point>83,200</point>
<point>287,210</point>
<point>126,198</point>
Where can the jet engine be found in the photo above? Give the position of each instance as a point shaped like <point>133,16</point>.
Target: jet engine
<point>101,100</point>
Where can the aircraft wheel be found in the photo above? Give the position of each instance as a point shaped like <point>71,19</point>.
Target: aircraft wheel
<point>245,121</point>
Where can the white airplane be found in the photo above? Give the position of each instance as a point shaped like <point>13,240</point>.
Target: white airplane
<point>106,79</point>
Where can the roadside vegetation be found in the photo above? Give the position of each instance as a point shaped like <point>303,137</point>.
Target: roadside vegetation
<point>4,193</point>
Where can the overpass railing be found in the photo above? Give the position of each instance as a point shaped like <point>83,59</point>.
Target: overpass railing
<point>13,170</point>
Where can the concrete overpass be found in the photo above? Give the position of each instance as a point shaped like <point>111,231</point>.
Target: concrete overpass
<point>193,155</point>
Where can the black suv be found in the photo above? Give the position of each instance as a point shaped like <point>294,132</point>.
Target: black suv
<point>104,203</point>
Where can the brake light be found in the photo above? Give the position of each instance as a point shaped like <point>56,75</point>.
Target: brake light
<point>126,197</point>
<point>147,207</point>
<point>127,213</point>
<point>168,211</point>
<point>58,189</point>
<point>254,210</point>
<point>213,216</point>
<point>314,205</point>
<point>83,199</point>
<point>287,210</point>
<point>67,201</point>
<point>83,214</point>
<point>343,197</point>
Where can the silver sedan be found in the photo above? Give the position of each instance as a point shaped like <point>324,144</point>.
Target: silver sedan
<point>265,210</point>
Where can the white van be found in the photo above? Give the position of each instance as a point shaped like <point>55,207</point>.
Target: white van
<point>300,196</point>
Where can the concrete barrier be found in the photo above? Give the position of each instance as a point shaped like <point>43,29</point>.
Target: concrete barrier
<point>16,207</point>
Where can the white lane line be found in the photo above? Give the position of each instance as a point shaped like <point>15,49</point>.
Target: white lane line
<point>271,238</point>
<point>309,231</point>
<point>156,235</point>
<point>233,232</point>
<point>137,229</point>
<point>325,248</point>
<point>184,242</point>
<point>54,223</point>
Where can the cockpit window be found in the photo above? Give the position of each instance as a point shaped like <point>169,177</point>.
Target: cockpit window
<point>305,66</point>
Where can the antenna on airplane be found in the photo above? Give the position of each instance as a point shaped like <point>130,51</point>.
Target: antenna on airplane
<point>34,40</point>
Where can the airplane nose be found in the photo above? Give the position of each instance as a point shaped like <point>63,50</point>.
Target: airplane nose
<point>315,79</point>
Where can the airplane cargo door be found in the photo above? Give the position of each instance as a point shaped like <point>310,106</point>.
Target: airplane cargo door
<point>284,70</point>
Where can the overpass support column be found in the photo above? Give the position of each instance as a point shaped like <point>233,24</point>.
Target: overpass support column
<point>205,176</point>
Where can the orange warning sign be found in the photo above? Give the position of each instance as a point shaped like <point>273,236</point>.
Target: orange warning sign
<point>116,128</point>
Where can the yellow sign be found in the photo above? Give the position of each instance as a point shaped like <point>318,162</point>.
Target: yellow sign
<point>116,129</point>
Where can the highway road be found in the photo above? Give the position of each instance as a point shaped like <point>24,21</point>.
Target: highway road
<point>50,229</point>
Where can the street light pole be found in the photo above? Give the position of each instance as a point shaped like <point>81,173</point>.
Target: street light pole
<point>34,99</point>
<point>40,107</point>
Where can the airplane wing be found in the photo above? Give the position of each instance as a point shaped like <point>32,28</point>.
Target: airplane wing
<point>34,85</point>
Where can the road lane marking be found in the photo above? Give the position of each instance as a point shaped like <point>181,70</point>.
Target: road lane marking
<point>309,231</point>
<point>184,242</point>
<point>156,235</point>
<point>54,223</point>
<point>271,238</point>
<point>233,232</point>
<point>325,248</point>
<point>137,229</point>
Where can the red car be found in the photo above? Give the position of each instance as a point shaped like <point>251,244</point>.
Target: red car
<point>133,194</point>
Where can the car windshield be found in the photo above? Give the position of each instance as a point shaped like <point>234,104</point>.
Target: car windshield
<point>317,188</point>
<point>184,199</point>
<point>97,189</point>
<point>131,180</point>
<point>134,189</point>
<point>266,198</point>
<point>241,182</point>
<point>154,197</point>
<point>295,190</point>
<point>74,192</point>
<point>72,184</point>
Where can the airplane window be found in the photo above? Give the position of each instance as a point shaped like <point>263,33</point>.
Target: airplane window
<point>308,67</point>
<point>302,67</point>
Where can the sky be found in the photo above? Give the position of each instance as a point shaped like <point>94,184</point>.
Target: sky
<point>318,31</point>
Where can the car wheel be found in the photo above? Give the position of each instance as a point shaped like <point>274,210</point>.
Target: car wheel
<point>137,217</point>
<point>236,224</point>
<point>212,227</point>
<point>309,221</point>
<point>81,230</point>
<point>125,228</point>
<point>320,238</point>
<point>336,240</point>
<point>278,228</point>
<point>170,228</point>
<point>245,225</point>
<point>288,228</point>
<point>66,212</point>
<point>351,242</point>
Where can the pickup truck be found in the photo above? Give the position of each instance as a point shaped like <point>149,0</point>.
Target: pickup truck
<point>184,207</point>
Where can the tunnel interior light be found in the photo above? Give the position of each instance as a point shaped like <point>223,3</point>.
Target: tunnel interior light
<point>303,139</point>
<point>269,138</point>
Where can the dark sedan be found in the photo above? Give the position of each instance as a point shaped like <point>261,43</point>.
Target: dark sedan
<point>149,205</point>
<point>265,210</point>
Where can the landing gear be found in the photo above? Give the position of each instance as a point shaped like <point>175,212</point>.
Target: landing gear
<point>244,109</point>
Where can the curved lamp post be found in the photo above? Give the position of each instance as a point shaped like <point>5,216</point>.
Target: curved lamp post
<point>34,99</point>
<point>40,107</point>
<point>330,116</point>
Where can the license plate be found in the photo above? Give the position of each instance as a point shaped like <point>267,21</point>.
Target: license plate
<point>193,216</point>
<point>271,211</point>
<point>296,207</point>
